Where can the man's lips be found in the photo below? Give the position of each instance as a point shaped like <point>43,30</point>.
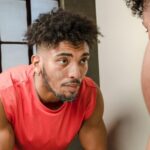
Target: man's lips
<point>72,86</point>
<point>73,83</point>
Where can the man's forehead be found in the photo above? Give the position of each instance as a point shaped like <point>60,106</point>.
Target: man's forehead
<point>76,45</point>
<point>64,47</point>
<point>69,52</point>
<point>63,53</point>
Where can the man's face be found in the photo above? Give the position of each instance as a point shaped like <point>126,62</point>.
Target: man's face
<point>63,68</point>
<point>146,17</point>
<point>145,75</point>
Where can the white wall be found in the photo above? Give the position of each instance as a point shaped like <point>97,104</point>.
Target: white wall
<point>120,58</point>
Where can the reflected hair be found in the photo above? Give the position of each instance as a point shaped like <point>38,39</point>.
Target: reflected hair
<point>136,6</point>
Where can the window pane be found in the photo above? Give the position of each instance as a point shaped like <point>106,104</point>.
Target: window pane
<point>34,49</point>
<point>42,6</point>
<point>13,22</point>
<point>13,55</point>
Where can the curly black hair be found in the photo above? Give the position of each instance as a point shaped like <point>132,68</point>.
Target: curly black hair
<point>61,25</point>
<point>136,6</point>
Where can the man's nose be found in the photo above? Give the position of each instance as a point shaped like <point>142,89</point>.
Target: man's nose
<point>75,71</point>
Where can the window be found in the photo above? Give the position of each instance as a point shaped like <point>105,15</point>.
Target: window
<point>15,16</point>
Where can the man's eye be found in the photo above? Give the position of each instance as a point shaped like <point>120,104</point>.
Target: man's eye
<point>63,61</point>
<point>83,61</point>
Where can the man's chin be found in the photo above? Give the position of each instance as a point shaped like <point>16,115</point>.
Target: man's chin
<point>65,98</point>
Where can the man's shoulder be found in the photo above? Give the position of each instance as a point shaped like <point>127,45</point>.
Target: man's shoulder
<point>87,81</point>
<point>14,75</point>
<point>88,87</point>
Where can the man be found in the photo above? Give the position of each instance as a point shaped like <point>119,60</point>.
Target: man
<point>142,9</point>
<point>44,105</point>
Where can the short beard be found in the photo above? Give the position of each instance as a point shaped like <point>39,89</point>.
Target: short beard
<point>61,97</point>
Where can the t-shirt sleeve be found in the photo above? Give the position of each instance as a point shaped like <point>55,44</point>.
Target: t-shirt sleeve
<point>8,102</point>
<point>91,103</point>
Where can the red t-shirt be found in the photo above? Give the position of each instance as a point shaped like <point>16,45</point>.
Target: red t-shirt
<point>37,127</point>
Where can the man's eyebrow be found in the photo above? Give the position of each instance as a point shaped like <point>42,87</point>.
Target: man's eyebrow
<point>70,55</point>
<point>86,54</point>
<point>64,54</point>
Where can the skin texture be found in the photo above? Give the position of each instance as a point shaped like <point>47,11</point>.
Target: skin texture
<point>141,8</point>
<point>146,77</point>
<point>144,13</point>
<point>6,132</point>
<point>146,62</point>
<point>93,132</point>
<point>148,145</point>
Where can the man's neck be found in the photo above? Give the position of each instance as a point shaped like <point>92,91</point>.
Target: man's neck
<point>45,96</point>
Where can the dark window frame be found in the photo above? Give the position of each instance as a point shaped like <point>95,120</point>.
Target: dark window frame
<point>29,21</point>
<point>30,49</point>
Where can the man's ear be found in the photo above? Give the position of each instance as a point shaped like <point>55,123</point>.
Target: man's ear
<point>35,59</point>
